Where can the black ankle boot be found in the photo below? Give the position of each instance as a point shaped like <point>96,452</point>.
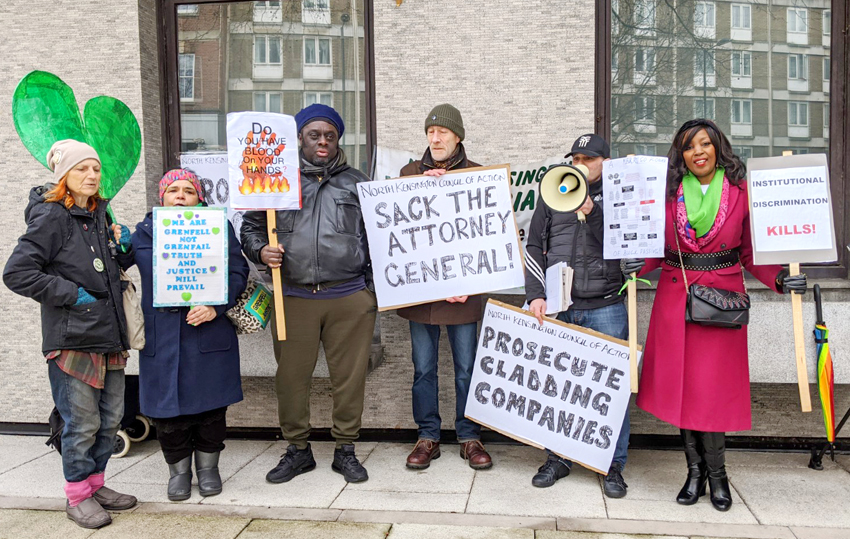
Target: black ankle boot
<point>715,459</point>
<point>697,472</point>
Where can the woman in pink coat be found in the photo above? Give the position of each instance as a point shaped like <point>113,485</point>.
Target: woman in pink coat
<point>697,377</point>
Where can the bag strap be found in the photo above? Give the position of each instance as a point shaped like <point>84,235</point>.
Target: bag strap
<point>679,251</point>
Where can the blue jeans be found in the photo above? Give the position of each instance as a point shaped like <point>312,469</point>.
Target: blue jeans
<point>425,340</point>
<point>92,417</point>
<point>611,320</point>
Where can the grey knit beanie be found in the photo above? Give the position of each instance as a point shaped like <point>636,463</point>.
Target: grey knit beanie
<point>446,116</point>
<point>66,154</point>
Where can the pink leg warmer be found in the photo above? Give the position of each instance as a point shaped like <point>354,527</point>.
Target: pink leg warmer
<point>77,492</point>
<point>96,481</point>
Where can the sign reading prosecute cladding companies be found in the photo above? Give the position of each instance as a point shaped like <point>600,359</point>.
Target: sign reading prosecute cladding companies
<point>791,209</point>
<point>262,157</point>
<point>558,386</point>
<point>431,238</point>
<point>189,256</point>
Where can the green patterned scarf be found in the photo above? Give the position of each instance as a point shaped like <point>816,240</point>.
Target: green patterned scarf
<point>702,208</point>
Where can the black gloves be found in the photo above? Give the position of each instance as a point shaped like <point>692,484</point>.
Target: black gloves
<point>791,283</point>
<point>631,265</point>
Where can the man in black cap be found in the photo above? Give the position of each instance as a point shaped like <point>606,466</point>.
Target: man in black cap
<point>555,237</point>
<point>325,267</point>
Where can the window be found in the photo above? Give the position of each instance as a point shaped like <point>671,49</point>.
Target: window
<point>704,68</point>
<point>645,110</point>
<point>644,66</point>
<point>325,98</point>
<point>317,51</point>
<point>704,108</point>
<point>267,102</point>
<point>316,12</point>
<point>704,20</point>
<point>187,10</point>
<point>615,67</point>
<point>644,17</point>
<point>741,17</point>
<point>645,149</point>
<point>827,65</point>
<point>186,76</point>
<point>798,26</point>
<point>744,152</point>
<point>798,113</point>
<point>267,57</point>
<point>827,22</point>
<point>742,64</point>
<point>742,111</point>
<point>268,12</point>
<point>615,16</point>
<point>798,73</point>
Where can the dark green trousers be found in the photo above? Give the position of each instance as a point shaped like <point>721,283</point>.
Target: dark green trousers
<point>344,326</point>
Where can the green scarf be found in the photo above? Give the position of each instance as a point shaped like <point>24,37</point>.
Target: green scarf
<point>702,209</point>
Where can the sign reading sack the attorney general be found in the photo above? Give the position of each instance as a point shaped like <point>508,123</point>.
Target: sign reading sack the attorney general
<point>189,256</point>
<point>431,238</point>
<point>556,386</point>
<point>791,209</point>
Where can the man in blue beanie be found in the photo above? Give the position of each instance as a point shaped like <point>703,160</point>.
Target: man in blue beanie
<point>325,267</point>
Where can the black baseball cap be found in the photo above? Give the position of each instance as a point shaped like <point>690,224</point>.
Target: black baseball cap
<point>591,145</point>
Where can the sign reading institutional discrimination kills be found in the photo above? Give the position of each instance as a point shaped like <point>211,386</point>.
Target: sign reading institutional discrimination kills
<point>791,209</point>
<point>431,238</point>
<point>262,156</point>
<point>634,191</point>
<point>189,256</point>
<point>558,386</point>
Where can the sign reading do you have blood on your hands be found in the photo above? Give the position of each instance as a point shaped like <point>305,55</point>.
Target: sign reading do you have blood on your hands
<point>432,238</point>
<point>189,256</point>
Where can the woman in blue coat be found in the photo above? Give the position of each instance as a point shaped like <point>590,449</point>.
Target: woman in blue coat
<point>189,368</point>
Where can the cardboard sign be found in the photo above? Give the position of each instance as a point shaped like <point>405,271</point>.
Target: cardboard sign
<point>189,256</point>
<point>431,238</point>
<point>634,191</point>
<point>559,386</point>
<point>791,209</point>
<point>211,170</point>
<point>262,156</point>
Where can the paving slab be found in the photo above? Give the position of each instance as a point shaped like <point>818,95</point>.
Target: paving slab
<point>670,511</point>
<point>380,500</point>
<point>17,450</point>
<point>39,524</point>
<point>548,534</point>
<point>654,475</point>
<point>773,459</point>
<point>690,529</point>
<point>448,519</point>
<point>426,531</point>
<point>819,533</point>
<point>796,497</point>
<point>508,491</point>
<point>133,526</point>
<point>318,488</point>
<point>247,511</point>
<point>278,529</point>
<point>387,471</point>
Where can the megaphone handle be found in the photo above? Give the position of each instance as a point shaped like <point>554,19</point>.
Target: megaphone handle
<point>581,216</point>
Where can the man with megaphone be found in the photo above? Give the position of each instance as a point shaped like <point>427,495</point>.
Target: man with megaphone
<point>568,227</point>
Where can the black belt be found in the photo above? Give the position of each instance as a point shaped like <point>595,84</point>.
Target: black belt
<point>703,261</point>
<point>318,286</point>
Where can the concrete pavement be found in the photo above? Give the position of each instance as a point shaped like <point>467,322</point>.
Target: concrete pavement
<point>775,496</point>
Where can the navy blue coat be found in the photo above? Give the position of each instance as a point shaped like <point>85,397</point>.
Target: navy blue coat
<point>185,369</point>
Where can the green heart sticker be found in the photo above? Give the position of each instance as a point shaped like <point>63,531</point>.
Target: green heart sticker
<point>166,222</point>
<point>188,214</point>
<point>186,296</point>
<point>216,230</point>
<point>45,110</point>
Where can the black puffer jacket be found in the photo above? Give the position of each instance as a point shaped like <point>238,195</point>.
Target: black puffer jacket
<point>53,258</point>
<point>560,237</point>
<point>324,241</point>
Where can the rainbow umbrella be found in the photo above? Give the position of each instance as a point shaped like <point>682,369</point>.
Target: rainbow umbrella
<point>825,373</point>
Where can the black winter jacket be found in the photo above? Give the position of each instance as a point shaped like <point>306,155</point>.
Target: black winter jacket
<point>53,258</point>
<point>560,237</point>
<point>324,241</point>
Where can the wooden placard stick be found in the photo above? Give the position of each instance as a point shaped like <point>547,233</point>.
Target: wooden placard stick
<point>279,318</point>
<point>632,300</point>
<point>799,337</point>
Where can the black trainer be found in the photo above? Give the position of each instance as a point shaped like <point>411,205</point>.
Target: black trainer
<point>294,462</point>
<point>346,463</point>
<point>613,485</point>
<point>553,469</point>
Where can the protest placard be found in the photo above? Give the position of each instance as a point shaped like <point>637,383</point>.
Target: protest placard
<point>791,209</point>
<point>189,256</point>
<point>634,191</point>
<point>262,156</point>
<point>559,386</point>
<point>431,238</point>
<point>211,170</point>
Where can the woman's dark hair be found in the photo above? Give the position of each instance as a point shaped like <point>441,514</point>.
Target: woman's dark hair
<point>736,171</point>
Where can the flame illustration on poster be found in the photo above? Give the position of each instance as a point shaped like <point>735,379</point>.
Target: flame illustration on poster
<point>45,110</point>
<point>262,156</point>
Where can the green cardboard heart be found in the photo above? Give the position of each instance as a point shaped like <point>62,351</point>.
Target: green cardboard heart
<point>44,110</point>
<point>186,296</point>
<point>188,214</point>
<point>166,222</point>
<point>216,230</point>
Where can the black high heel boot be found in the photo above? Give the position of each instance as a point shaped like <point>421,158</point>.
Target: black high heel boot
<point>715,459</point>
<point>697,472</point>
